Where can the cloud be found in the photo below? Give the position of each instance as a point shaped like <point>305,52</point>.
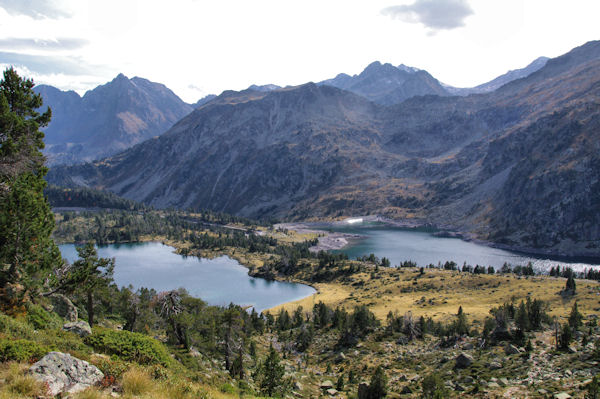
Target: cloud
<point>18,44</point>
<point>37,9</point>
<point>434,14</point>
<point>47,64</point>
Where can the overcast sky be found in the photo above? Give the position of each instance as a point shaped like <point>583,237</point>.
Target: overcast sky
<point>197,47</point>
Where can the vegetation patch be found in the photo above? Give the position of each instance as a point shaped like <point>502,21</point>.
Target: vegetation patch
<point>21,350</point>
<point>129,346</point>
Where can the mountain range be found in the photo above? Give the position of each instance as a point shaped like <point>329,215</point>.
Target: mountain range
<point>518,166</point>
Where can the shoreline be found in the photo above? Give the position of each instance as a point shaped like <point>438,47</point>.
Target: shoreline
<point>337,240</point>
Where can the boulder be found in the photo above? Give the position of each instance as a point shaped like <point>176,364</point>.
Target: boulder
<point>463,360</point>
<point>494,365</point>
<point>64,307</point>
<point>81,328</point>
<point>340,357</point>
<point>326,385</point>
<point>64,373</point>
<point>332,392</point>
<point>503,382</point>
<point>562,395</point>
<point>511,350</point>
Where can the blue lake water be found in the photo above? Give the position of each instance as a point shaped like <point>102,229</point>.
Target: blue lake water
<point>424,248</point>
<point>218,281</point>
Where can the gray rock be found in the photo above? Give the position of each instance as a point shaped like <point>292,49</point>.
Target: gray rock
<point>81,328</point>
<point>326,385</point>
<point>493,385</point>
<point>65,373</point>
<point>64,307</point>
<point>463,360</point>
<point>298,386</point>
<point>562,395</point>
<point>340,358</point>
<point>503,382</point>
<point>494,365</point>
<point>467,346</point>
<point>511,350</point>
<point>332,392</point>
<point>459,387</point>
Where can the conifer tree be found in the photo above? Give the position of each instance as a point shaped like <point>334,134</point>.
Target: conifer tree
<point>27,252</point>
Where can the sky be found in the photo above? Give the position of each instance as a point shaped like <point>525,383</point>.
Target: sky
<point>200,47</point>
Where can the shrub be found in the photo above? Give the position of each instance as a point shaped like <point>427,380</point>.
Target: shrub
<point>129,346</point>
<point>433,387</point>
<point>111,367</point>
<point>15,328</point>
<point>21,350</point>
<point>41,319</point>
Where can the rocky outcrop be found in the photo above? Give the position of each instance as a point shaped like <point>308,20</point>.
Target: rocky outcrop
<point>64,307</point>
<point>81,328</point>
<point>463,360</point>
<point>64,373</point>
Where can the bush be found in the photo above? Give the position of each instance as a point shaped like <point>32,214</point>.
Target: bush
<point>433,387</point>
<point>21,350</point>
<point>15,328</point>
<point>129,346</point>
<point>41,319</point>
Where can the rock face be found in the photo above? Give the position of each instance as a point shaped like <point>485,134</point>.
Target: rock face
<point>108,119</point>
<point>518,166</point>
<point>387,84</point>
<point>65,373</point>
<point>464,360</point>
<point>81,328</point>
<point>64,307</point>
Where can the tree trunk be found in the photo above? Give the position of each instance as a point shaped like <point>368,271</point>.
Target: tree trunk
<point>90,307</point>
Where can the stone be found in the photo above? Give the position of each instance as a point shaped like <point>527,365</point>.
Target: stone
<point>542,391</point>
<point>468,380</point>
<point>64,373</point>
<point>494,365</point>
<point>572,349</point>
<point>493,385</point>
<point>326,385</point>
<point>297,386</point>
<point>511,350</point>
<point>332,392</point>
<point>81,328</point>
<point>467,346</point>
<point>463,360</point>
<point>64,307</point>
<point>503,382</point>
<point>562,395</point>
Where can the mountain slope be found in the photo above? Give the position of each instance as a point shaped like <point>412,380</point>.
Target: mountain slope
<point>108,119</point>
<point>386,84</point>
<point>501,80</point>
<point>517,166</point>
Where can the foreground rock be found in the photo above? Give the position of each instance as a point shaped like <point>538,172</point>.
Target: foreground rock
<point>80,328</point>
<point>64,373</point>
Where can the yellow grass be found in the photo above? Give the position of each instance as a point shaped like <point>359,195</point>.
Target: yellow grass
<point>439,293</point>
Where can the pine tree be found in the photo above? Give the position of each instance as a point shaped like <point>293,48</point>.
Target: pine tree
<point>575,318</point>
<point>378,385</point>
<point>270,374</point>
<point>89,275</point>
<point>27,252</point>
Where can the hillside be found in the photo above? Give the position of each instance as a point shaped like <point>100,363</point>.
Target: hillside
<point>108,119</point>
<point>522,158</point>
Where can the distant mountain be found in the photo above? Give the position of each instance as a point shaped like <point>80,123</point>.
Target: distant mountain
<point>108,119</point>
<point>501,80</point>
<point>268,87</point>
<point>386,84</point>
<point>518,166</point>
<point>204,100</point>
